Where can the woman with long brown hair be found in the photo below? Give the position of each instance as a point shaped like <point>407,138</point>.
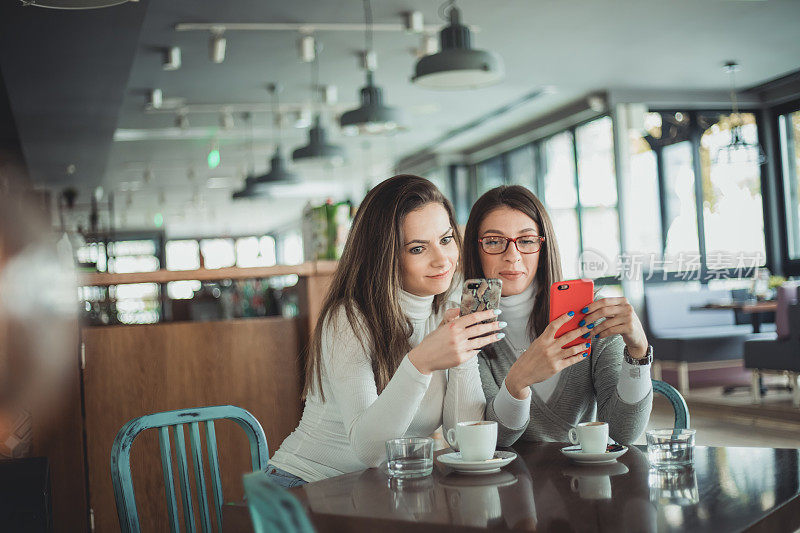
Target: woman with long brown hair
<point>535,389</point>
<point>385,359</point>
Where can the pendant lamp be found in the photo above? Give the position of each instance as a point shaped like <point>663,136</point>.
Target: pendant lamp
<point>277,172</point>
<point>318,151</point>
<point>458,65</point>
<point>372,116</point>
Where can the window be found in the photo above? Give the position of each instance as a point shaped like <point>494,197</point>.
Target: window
<point>255,251</point>
<point>218,253</point>
<point>733,218</point>
<point>680,204</point>
<point>561,199</point>
<point>521,167</point>
<point>789,128</point>
<point>643,212</point>
<point>491,174</point>
<point>183,255</point>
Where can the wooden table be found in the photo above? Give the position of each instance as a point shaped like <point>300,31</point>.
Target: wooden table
<point>752,309</point>
<point>727,489</point>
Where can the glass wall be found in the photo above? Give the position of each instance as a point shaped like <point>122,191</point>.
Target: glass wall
<point>789,131</point>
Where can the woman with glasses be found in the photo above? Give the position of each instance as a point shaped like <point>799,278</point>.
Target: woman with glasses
<point>385,359</point>
<point>534,389</point>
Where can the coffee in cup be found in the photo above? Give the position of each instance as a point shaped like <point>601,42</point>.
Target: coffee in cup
<point>592,436</point>
<point>476,439</point>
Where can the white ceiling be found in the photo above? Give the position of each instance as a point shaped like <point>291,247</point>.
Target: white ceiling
<point>569,47</point>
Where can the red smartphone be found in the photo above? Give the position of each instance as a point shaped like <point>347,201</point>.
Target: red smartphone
<point>570,295</point>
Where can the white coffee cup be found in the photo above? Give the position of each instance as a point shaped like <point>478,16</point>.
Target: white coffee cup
<point>592,436</point>
<point>475,439</point>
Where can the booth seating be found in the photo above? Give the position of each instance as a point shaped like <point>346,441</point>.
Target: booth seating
<point>781,353</point>
<point>684,339</point>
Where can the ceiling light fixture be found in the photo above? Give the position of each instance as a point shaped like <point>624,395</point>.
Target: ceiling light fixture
<point>216,45</point>
<point>182,120</point>
<point>249,180</point>
<point>457,65</point>
<point>307,46</point>
<point>155,98</point>
<point>738,150</point>
<point>277,172</point>
<point>226,120</point>
<point>413,22</point>
<point>172,58</point>
<point>318,150</point>
<point>372,117</point>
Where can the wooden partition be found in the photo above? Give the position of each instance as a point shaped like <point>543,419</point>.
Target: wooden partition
<point>135,370</point>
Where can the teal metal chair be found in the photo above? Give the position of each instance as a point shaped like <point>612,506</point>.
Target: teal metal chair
<point>121,462</point>
<point>273,509</point>
<point>677,401</point>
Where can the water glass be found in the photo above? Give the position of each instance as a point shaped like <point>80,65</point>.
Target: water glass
<point>409,457</point>
<point>677,486</point>
<point>670,448</point>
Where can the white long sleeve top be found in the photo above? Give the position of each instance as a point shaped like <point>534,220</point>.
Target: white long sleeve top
<point>634,381</point>
<point>347,432</point>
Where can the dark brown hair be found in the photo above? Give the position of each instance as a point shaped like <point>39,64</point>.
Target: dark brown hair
<point>549,269</point>
<point>366,284</point>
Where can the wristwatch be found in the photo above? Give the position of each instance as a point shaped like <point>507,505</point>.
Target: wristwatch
<point>646,360</point>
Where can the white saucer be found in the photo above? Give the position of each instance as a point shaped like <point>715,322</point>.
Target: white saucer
<point>577,455</point>
<point>454,461</point>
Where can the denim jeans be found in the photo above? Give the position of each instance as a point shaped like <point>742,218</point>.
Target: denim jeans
<point>283,478</point>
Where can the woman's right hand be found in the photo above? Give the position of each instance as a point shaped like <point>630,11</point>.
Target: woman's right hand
<point>545,357</point>
<point>455,340</point>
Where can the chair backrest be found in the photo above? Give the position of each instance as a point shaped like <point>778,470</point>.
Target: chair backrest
<point>121,465</point>
<point>677,401</point>
<point>273,509</point>
<point>668,308</point>
<point>787,295</point>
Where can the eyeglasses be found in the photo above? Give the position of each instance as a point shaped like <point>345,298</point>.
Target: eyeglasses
<point>526,244</point>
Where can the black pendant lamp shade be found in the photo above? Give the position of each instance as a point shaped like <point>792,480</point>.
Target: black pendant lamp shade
<point>458,65</point>
<point>247,191</point>
<point>318,150</point>
<point>372,117</point>
<point>277,173</point>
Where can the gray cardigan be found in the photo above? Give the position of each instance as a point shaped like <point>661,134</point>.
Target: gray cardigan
<point>584,390</point>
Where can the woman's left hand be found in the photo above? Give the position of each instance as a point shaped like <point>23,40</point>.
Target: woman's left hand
<point>619,319</point>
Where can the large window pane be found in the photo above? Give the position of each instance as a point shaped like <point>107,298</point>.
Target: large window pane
<point>643,211</point>
<point>182,255</point>
<point>565,224</point>
<point>596,178</point>
<point>218,253</point>
<point>682,241</point>
<point>520,167</point>
<point>600,227</point>
<point>559,172</point>
<point>732,210</point>
<point>490,174</point>
<point>789,125</point>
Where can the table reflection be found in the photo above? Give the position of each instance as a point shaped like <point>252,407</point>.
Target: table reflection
<point>542,490</point>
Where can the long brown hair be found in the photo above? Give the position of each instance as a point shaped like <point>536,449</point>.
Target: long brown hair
<point>549,269</point>
<point>366,284</point>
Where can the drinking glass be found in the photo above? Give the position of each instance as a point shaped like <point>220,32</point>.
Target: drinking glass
<point>676,486</point>
<point>409,457</point>
<point>670,448</point>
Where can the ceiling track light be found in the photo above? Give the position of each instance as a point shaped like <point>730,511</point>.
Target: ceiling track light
<point>307,47</point>
<point>182,121</point>
<point>154,98</point>
<point>330,94</point>
<point>458,65</point>
<point>226,120</point>
<point>172,58</point>
<point>216,45</point>
<point>413,22</point>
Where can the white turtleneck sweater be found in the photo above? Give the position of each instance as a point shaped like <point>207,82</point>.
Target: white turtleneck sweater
<point>514,413</point>
<point>347,432</point>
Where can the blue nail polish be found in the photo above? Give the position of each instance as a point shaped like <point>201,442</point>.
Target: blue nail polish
<point>502,324</point>
<point>582,322</point>
<point>498,311</point>
<point>590,326</point>
<point>500,336</point>
<point>585,335</point>
<point>585,310</point>
<point>584,354</point>
<point>571,313</point>
<point>588,345</point>
<point>597,336</point>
